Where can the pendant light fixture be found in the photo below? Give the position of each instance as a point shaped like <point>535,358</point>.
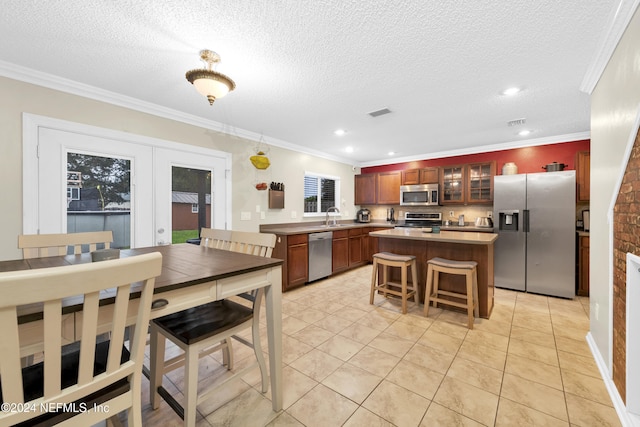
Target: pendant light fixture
<point>209,82</point>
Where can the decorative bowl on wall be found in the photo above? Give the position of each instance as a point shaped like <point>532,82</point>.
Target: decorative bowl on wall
<point>260,161</point>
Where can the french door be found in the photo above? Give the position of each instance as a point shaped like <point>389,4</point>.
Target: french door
<point>135,198</point>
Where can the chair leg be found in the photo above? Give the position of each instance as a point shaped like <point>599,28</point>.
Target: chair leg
<point>403,283</point>
<point>385,279</point>
<point>190,386</point>
<point>427,294</point>
<point>436,283</point>
<point>470,300</point>
<point>156,365</point>
<point>257,349</point>
<point>227,354</point>
<point>476,301</point>
<point>414,282</point>
<point>374,279</point>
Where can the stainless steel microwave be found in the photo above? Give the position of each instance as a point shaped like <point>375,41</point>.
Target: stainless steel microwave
<point>419,195</point>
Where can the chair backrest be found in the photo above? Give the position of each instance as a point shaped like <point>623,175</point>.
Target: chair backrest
<point>260,244</point>
<point>215,238</point>
<point>45,245</point>
<point>50,286</point>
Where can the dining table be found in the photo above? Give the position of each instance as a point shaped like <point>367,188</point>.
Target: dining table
<point>191,275</point>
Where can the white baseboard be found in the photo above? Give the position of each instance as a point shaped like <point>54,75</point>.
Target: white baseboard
<point>627,419</point>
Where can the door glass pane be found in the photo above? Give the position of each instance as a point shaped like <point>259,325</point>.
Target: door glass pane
<point>99,196</point>
<point>190,203</point>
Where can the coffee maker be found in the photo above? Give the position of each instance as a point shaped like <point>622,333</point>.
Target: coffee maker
<point>363,215</point>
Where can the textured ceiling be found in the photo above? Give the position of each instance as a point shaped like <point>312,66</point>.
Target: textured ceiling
<point>306,68</point>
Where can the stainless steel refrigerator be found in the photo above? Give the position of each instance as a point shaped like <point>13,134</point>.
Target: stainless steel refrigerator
<point>535,249</point>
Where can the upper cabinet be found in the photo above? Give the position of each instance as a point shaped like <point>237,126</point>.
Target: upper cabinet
<point>366,189</point>
<point>480,183</point>
<point>583,175</point>
<point>453,182</point>
<point>389,188</point>
<point>467,184</point>
<point>420,176</point>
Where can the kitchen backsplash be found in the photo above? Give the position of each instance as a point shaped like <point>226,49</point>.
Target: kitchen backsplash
<point>470,212</point>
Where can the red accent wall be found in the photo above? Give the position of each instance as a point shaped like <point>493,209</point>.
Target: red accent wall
<point>528,159</point>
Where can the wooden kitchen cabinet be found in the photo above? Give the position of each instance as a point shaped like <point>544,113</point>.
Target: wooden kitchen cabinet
<point>366,189</point>
<point>583,175</point>
<point>453,185</point>
<point>388,185</point>
<point>480,182</point>
<point>355,247</point>
<point>340,251</point>
<point>467,184</point>
<point>420,176</point>
<point>583,266</point>
<point>294,250</point>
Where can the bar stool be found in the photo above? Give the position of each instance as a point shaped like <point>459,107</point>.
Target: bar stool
<point>386,260</point>
<point>435,266</point>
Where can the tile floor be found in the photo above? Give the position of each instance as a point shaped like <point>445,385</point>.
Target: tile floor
<point>350,363</point>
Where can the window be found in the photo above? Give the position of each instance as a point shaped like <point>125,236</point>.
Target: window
<point>320,193</point>
<point>194,208</point>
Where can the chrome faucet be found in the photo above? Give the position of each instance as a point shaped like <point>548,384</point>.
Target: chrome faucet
<point>331,209</point>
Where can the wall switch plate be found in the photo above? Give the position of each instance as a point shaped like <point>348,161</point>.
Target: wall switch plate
<point>294,214</point>
<point>245,216</point>
<point>262,215</point>
<point>257,208</point>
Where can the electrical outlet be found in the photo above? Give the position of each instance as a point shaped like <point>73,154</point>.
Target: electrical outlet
<point>262,215</point>
<point>489,214</point>
<point>257,208</point>
<point>294,214</point>
<point>451,214</point>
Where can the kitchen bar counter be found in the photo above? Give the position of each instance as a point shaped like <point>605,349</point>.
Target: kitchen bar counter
<point>453,245</point>
<point>466,237</point>
<point>316,227</point>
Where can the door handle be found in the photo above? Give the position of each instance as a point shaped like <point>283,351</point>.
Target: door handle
<point>525,220</point>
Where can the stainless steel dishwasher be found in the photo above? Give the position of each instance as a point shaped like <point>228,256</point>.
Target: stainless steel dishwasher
<point>320,255</point>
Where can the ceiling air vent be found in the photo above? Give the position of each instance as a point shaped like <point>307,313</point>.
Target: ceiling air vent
<point>381,112</point>
<point>516,122</point>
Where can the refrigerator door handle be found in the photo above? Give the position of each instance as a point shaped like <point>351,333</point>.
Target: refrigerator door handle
<point>525,220</point>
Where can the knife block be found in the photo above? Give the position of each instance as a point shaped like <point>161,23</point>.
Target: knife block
<point>276,199</point>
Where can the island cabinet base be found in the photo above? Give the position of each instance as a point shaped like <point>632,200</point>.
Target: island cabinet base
<point>425,250</point>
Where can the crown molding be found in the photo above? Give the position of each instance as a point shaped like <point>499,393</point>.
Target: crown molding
<point>618,23</point>
<point>61,84</point>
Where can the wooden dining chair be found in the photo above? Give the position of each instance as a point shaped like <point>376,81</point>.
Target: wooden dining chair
<point>215,238</point>
<point>46,245</point>
<point>205,329</point>
<point>98,380</point>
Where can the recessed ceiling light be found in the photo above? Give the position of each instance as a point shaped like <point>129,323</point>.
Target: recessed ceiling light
<point>511,91</point>
<point>524,132</point>
<point>391,153</point>
<point>340,132</point>
<point>349,149</point>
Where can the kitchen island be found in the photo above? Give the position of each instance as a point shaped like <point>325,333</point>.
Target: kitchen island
<point>454,245</point>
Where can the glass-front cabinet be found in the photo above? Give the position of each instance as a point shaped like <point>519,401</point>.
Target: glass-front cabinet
<point>480,184</point>
<point>467,184</point>
<point>453,183</point>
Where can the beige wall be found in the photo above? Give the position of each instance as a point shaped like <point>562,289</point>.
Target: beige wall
<point>286,166</point>
<point>614,106</point>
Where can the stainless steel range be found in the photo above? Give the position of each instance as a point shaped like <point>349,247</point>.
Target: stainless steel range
<point>420,220</point>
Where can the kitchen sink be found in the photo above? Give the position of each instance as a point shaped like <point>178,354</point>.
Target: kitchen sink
<point>335,225</point>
